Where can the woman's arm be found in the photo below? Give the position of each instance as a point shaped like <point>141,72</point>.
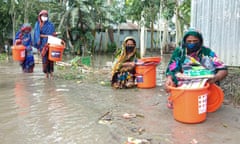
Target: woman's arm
<point>220,75</point>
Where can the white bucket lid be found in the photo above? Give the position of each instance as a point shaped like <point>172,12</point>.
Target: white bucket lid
<point>54,40</point>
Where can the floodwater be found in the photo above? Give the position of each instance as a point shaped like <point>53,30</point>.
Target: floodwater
<point>40,111</point>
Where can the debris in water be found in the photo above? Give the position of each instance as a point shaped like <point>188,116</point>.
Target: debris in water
<point>106,118</point>
<point>132,140</point>
<point>62,90</point>
<point>78,82</point>
<point>127,115</point>
<point>194,141</point>
<point>131,115</point>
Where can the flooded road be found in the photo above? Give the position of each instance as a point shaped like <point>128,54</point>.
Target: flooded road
<point>40,111</point>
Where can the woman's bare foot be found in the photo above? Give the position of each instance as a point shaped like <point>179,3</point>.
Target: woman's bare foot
<point>51,76</point>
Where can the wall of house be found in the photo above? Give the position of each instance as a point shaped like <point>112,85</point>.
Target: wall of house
<point>124,33</point>
<point>219,22</point>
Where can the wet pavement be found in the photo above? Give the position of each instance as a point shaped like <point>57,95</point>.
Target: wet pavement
<point>41,111</point>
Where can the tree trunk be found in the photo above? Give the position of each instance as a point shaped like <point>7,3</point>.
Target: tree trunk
<point>93,42</point>
<point>13,26</point>
<point>142,38</point>
<point>110,34</point>
<point>100,43</point>
<point>106,41</point>
<point>165,36</point>
<point>178,25</point>
<point>152,39</point>
<point>26,10</point>
<point>118,37</point>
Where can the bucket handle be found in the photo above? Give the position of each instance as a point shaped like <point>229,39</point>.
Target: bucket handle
<point>174,97</point>
<point>147,63</point>
<point>144,71</point>
<point>63,43</point>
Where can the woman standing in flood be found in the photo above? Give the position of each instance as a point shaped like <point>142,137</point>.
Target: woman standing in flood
<point>23,37</point>
<point>43,29</point>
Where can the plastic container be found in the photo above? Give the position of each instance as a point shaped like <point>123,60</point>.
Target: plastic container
<point>215,98</point>
<point>146,72</point>
<point>56,51</point>
<point>86,60</point>
<point>18,52</point>
<point>189,105</point>
<point>54,40</point>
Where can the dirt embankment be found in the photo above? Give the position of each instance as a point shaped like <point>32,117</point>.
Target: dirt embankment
<point>230,86</point>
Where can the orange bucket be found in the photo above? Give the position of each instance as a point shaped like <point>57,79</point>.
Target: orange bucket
<point>189,105</point>
<point>55,51</point>
<point>18,52</point>
<point>146,72</point>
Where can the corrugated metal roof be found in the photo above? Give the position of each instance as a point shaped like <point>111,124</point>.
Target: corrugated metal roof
<point>128,26</point>
<point>219,22</point>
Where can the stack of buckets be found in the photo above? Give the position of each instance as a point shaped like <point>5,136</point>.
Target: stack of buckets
<point>192,105</point>
<point>146,72</point>
<point>56,48</point>
<point>18,52</point>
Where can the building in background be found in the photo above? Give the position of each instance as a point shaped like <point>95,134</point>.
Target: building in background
<point>132,29</point>
<point>219,22</point>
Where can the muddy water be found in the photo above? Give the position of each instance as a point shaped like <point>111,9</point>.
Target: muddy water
<point>36,110</point>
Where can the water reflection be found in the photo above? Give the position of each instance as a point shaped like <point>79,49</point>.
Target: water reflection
<point>21,98</point>
<point>37,110</point>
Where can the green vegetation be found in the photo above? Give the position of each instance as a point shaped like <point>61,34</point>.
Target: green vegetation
<point>3,56</point>
<point>80,20</point>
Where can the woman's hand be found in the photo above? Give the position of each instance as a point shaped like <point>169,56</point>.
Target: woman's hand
<point>213,80</point>
<point>221,74</point>
<point>169,83</point>
<point>129,64</point>
<point>18,42</point>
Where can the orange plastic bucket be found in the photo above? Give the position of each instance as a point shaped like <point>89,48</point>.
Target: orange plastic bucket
<point>189,105</point>
<point>146,76</point>
<point>146,72</point>
<point>18,52</point>
<point>55,52</point>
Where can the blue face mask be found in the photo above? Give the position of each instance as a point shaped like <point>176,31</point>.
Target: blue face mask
<point>191,45</point>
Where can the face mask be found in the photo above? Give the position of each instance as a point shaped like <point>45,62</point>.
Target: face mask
<point>129,48</point>
<point>44,18</point>
<point>193,47</point>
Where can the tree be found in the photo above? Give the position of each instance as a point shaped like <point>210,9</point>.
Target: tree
<point>5,21</point>
<point>145,13</point>
<point>82,19</point>
<point>182,12</point>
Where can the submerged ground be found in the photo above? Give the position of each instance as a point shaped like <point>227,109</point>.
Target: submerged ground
<point>88,111</point>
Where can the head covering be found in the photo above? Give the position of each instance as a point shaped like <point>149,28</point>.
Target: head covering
<point>193,32</point>
<point>129,38</point>
<point>43,12</point>
<point>26,26</point>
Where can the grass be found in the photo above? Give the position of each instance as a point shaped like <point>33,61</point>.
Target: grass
<point>3,56</point>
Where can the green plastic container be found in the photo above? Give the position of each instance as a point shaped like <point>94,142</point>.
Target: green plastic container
<point>86,60</point>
